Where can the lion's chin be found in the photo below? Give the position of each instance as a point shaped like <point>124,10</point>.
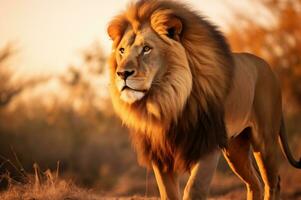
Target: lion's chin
<point>131,96</point>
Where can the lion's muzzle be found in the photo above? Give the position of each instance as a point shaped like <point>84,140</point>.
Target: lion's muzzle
<point>132,89</point>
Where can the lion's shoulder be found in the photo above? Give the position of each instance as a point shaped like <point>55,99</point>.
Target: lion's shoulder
<point>238,104</point>
<point>250,73</point>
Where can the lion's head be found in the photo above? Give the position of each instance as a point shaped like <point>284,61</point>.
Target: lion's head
<point>149,60</point>
<point>170,70</point>
<point>144,58</point>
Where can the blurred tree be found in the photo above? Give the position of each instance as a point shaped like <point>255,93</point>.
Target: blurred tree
<point>279,44</point>
<point>7,91</point>
<point>82,81</point>
<point>94,58</point>
<point>9,87</point>
<point>66,119</point>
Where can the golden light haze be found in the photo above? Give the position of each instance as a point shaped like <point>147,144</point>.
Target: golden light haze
<point>59,135</point>
<point>49,35</point>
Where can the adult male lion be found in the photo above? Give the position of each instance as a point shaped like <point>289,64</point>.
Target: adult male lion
<point>185,96</point>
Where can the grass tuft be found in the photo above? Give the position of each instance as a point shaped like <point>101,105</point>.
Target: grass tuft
<point>44,186</point>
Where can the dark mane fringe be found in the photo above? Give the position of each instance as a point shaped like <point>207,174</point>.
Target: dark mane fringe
<point>200,128</point>
<point>186,141</point>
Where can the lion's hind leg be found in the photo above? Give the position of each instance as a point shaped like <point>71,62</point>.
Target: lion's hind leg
<point>267,156</point>
<point>239,157</point>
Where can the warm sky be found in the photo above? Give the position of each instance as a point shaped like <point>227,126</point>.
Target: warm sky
<point>50,34</point>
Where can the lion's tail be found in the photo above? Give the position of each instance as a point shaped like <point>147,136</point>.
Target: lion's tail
<point>285,148</point>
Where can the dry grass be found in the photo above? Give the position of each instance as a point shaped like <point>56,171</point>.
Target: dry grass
<point>48,186</point>
<point>43,186</point>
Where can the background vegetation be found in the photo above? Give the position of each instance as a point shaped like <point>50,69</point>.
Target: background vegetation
<point>65,122</point>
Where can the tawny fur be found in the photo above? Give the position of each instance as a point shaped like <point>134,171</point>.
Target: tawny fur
<point>195,98</point>
<point>176,134</point>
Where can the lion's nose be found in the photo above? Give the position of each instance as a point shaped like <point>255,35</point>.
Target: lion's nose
<point>125,74</point>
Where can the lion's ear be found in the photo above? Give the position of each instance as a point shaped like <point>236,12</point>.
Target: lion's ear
<point>174,28</point>
<point>164,22</point>
<point>112,32</point>
<point>116,29</point>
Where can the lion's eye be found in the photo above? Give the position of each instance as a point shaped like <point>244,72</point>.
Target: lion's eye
<point>146,50</point>
<point>121,50</point>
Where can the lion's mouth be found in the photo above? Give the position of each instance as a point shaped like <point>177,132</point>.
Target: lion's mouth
<point>131,95</point>
<point>129,88</point>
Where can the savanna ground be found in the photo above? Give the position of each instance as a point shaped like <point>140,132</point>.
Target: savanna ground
<point>48,185</point>
<point>66,125</point>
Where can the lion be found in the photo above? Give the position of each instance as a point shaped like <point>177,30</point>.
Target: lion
<point>186,98</point>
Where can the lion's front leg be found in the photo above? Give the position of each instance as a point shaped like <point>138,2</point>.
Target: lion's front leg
<point>168,184</point>
<point>200,178</point>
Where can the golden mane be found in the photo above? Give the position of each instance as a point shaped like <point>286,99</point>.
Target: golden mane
<point>178,121</point>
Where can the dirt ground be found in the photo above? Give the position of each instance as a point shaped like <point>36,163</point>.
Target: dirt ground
<point>227,186</point>
<point>232,188</point>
